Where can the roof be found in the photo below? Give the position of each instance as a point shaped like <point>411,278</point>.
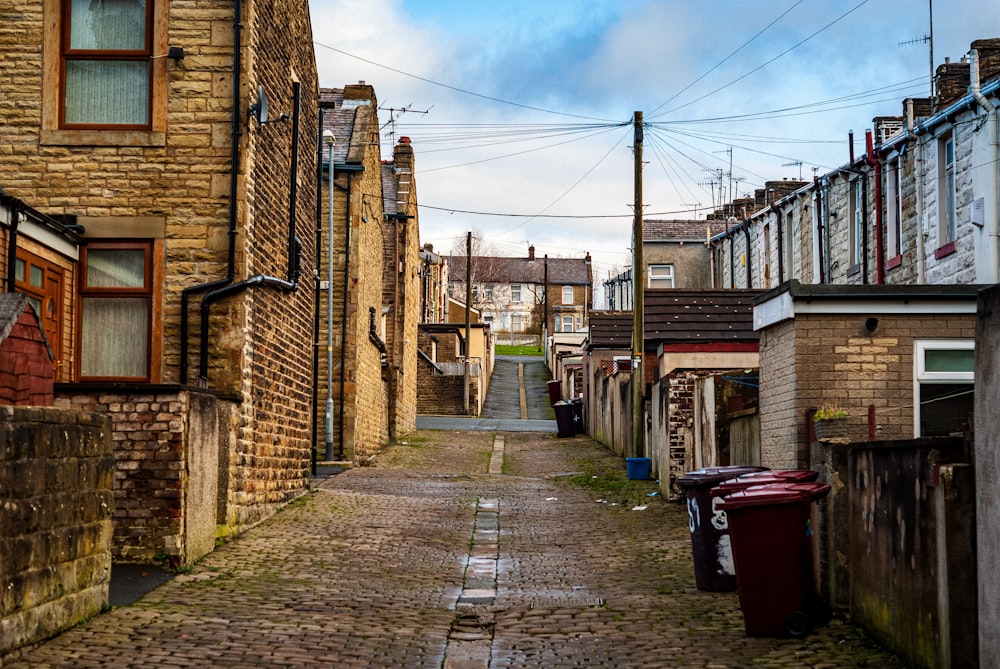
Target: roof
<point>656,230</point>
<point>699,315</point>
<point>500,269</point>
<point>906,293</point>
<point>679,316</point>
<point>11,307</point>
<point>341,117</point>
<point>610,329</point>
<point>390,188</point>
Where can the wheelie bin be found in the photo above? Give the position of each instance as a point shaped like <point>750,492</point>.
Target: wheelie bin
<point>771,529</point>
<point>564,419</point>
<point>744,481</point>
<point>713,558</point>
<point>555,390</point>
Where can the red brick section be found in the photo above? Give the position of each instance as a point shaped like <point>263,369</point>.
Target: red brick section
<point>26,371</point>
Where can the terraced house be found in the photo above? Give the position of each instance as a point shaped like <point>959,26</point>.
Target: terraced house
<point>157,161</point>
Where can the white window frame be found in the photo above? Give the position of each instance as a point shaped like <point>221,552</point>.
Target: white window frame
<point>857,221</point>
<point>658,275</point>
<point>567,295</point>
<point>515,293</point>
<point>922,376</point>
<point>893,209</point>
<point>562,324</point>
<point>947,195</point>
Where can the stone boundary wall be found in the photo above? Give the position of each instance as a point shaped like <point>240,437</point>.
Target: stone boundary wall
<point>56,469</point>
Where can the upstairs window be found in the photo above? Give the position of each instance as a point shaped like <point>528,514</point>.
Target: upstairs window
<point>567,295</point>
<point>857,222</point>
<point>947,214</point>
<point>115,311</point>
<point>515,293</point>
<point>893,209</point>
<point>661,276</point>
<point>106,63</point>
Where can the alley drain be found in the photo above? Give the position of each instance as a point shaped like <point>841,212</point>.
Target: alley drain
<point>470,638</point>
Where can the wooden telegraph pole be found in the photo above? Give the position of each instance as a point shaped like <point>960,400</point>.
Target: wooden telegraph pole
<point>468,319</point>
<point>638,284</point>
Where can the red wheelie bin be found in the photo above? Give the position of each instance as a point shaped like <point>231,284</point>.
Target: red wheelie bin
<point>771,529</point>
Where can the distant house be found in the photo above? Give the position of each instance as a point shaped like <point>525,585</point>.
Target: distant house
<point>516,295</point>
<point>675,253</point>
<point>368,380</point>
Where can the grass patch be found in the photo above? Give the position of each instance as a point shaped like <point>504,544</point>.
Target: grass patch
<point>507,349</point>
<point>610,481</point>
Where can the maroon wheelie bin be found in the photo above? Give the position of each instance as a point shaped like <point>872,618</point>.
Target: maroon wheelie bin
<point>744,481</point>
<point>772,532</point>
<point>713,560</point>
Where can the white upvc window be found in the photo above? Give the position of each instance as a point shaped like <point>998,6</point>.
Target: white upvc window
<point>893,209</point>
<point>515,293</point>
<point>947,213</point>
<point>567,295</point>
<point>857,224</point>
<point>661,276</point>
<point>564,324</point>
<point>944,374</point>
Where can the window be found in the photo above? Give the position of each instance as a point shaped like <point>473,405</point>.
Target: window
<point>515,293</point>
<point>661,276</point>
<point>943,386</point>
<point>106,61</point>
<point>946,191</point>
<point>516,323</point>
<point>857,221</point>
<point>107,82</point>
<point>893,209</point>
<point>115,311</point>
<point>787,256</point>
<point>564,324</point>
<point>567,295</point>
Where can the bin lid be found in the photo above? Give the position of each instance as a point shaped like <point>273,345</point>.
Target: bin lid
<point>775,494</point>
<point>769,476</point>
<point>712,475</point>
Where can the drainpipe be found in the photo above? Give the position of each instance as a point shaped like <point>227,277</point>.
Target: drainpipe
<point>779,225</point>
<point>918,182</point>
<point>234,161</point>
<point>343,324</point>
<point>825,222</point>
<point>330,140</point>
<point>291,283</point>
<point>992,209</point>
<point>316,291</point>
<point>872,158</point>
<point>746,234</point>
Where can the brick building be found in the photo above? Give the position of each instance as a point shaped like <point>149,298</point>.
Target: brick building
<point>142,129</point>
<point>515,294</point>
<point>26,372</point>
<point>370,374</point>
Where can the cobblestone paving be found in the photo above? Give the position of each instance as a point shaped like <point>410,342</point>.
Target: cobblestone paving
<point>366,571</point>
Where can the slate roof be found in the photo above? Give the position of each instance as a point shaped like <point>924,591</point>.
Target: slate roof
<point>499,269</point>
<point>656,230</point>
<point>675,316</point>
<point>12,305</point>
<point>680,316</point>
<point>341,120</point>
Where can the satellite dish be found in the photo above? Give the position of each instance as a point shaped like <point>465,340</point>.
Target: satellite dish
<point>258,110</point>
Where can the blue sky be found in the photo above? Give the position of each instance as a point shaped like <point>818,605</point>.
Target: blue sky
<point>528,101</point>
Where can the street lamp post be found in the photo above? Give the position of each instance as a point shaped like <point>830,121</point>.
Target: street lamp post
<point>329,140</point>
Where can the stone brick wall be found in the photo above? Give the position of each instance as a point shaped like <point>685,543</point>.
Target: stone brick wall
<point>822,359</point>
<point>55,526</point>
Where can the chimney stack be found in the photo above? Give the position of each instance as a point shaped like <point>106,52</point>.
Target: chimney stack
<point>531,254</point>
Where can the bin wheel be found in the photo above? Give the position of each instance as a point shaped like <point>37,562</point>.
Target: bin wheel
<point>797,625</point>
<point>822,613</point>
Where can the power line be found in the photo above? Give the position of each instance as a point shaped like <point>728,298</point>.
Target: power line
<point>455,88</point>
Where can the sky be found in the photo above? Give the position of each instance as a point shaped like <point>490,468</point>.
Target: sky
<point>520,112</point>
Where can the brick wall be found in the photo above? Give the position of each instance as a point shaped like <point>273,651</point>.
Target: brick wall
<point>173,187</point>
<point>820,359</point>
<point>25,365</point>
<point>56,565</point>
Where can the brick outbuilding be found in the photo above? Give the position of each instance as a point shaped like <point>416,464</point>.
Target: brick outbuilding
<point>26,372</point>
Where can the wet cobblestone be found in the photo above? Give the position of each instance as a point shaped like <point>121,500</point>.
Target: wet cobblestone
<point>366,571</point>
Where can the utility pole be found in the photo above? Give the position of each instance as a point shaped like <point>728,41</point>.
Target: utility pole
<point>468,318</point>
<point>638,283</point>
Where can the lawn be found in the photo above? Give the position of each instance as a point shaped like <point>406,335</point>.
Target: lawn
<point>506,349</point>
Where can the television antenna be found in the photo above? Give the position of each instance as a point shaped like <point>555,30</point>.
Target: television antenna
<point>793,164</point>
<point>395,113</point>
<point>927,39</point>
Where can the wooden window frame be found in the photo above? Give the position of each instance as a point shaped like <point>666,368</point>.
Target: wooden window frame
<point>148,291</point>
<point>53,85</point>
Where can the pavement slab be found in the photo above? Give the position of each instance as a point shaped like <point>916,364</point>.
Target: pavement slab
<point>369,568</point>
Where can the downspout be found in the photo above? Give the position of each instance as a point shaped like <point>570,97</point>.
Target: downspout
<point>872,156</point>
<point>992,209</point>
<point>918,181</point>
<point>343,325</point>
<point>234,161</point>
<point>746,235</point>
<point>779,225</point>
<point>15,220</point>
<point>817,217</point>
<point>294,269</point>
<point>825,222</point>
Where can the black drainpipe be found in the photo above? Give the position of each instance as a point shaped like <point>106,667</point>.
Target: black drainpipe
<point>294,251</point>
<point>234,161</point>
<point>15,220</point>
<point>746,235</point>
<point>343,324</point>
<point>779,224</point>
